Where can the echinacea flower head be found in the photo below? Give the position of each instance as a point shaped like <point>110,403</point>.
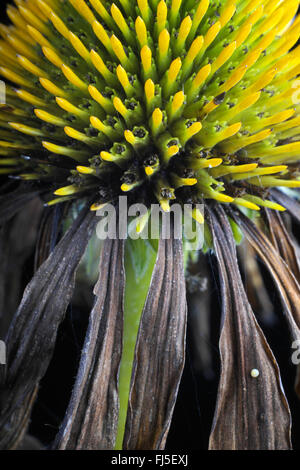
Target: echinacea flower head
<point>159,100</point>
<point>162,101</point>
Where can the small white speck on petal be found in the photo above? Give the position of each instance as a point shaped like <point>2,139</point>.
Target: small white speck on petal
<point>254,373</point>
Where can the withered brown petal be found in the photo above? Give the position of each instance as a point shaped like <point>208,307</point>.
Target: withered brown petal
<point>92,416</point>
<point>251,412</point>
<point>159,354</point>
<point>4,251</point>
<point>286,283</point>
<point>16,246</point>
<point>282,241</point>
<point>297,381</point>
<point>285,245</point>
<point>292,205</point>
<point>48,233</point>
<point>257,293</point>
<point>12,203</point>
<point>32,334</point>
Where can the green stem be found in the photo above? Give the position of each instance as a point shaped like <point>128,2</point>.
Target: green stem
<point>140,257</point>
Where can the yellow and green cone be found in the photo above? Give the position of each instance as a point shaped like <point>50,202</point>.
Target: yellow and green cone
<point>168,100</point>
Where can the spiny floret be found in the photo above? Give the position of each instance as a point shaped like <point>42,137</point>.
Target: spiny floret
<point>160,99</point>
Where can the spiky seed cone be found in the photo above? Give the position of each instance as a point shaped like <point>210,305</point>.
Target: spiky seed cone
<point>161,100</point>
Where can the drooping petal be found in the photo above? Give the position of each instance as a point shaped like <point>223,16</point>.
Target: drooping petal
<point>12,203</point>
<point>285,281</point>
<point>285,245</point>
<point>251,411</point>
<point>159,354</point>
<point>48,234</point>
<point>92,416</point>
<point>291,204</point>
<point>32,334</point>
<point>4,231</point>
<point>19,237</point>
<point>257,293</point>
<point>282,241</point>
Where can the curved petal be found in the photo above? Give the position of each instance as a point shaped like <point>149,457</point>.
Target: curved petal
<point>288,202</point>
<point>252,411</point>
<point>32,334</point>
<point>285,281</point>
<point>159,353</point>
<point>91,419</point>
<point>12,203</point>
<point>282,241</point>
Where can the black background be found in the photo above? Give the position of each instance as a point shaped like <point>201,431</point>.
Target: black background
<point>195,405</point>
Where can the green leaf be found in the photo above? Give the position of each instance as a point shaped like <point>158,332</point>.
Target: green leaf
<point>140,257</point>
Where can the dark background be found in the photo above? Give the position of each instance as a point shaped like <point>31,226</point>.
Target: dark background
<point>195,406</point>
